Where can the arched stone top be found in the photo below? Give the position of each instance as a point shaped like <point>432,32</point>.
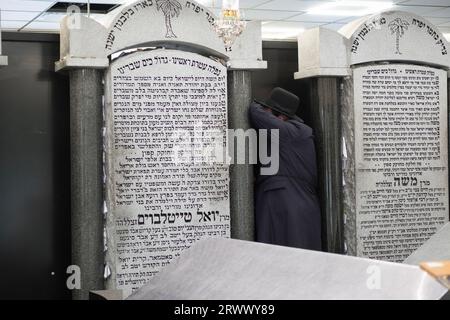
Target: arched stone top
<point>88,42</point>
<point>161,21</point>
<point>396,36</point>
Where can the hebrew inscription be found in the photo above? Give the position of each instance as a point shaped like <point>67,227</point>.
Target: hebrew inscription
<point>401,158</point>
<point>159,205</point>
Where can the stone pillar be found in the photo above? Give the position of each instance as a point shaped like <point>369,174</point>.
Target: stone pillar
<point>322,62</point>
<point>86,142</point>
<point>241,175</point>
<point>325,112</point>
<point>348,164</point>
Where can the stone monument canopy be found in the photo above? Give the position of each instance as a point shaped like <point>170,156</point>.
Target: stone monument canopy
<point>393,123</point>
<point>88,42</point>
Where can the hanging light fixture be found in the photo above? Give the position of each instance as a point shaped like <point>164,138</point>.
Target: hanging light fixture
<point>229,26</point>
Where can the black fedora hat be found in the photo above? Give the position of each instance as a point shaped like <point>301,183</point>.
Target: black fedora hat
<point>282,101</point>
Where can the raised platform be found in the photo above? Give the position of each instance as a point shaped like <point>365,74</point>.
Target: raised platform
<point>233,269</point>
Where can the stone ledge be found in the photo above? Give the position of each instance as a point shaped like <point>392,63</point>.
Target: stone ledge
<point>74,63</point>
<point>323,72</point>
<point>246,65</point>
<point>3,60</point>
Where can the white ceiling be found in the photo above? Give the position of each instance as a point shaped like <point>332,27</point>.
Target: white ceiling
<point>281,19</point>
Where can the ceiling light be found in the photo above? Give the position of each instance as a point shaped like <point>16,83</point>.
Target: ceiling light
<point>229,26</point>
<point>350,8</point>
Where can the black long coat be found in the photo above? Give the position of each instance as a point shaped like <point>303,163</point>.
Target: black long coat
<point>286,204</point>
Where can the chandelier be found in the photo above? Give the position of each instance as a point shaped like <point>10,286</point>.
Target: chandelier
<point>229,26</point>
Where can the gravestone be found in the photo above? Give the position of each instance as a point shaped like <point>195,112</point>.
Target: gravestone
<point>158,103</point>
<point>401,165</point>
<point>394,132</point>
<point>144,110</point>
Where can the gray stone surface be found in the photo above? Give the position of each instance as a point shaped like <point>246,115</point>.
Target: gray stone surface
<point>348,164</point>
<point>437,248</point>
<point>325,111</point>
<point>232,269</point>
<point>315,59</point>
<point>87,178</point>
<point>86,44</point>
<point>241,175</point>
<point>325,52</point>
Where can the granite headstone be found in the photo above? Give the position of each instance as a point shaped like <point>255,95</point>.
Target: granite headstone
<point>162,192</point>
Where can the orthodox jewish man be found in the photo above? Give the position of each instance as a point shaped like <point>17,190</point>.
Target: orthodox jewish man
<point>286,203</point>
